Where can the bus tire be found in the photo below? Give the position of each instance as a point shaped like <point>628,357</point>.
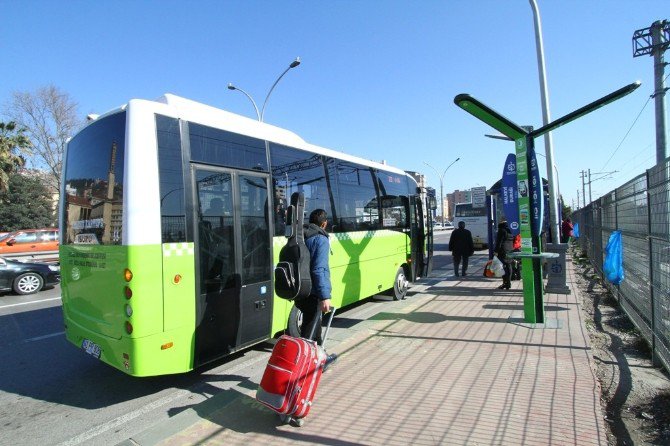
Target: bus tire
<point>400,285</point>
<point>294,322</point>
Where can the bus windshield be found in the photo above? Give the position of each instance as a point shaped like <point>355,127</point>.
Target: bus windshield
<point>93,190</point>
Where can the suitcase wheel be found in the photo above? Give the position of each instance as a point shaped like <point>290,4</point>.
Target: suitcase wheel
<point>287,419</point>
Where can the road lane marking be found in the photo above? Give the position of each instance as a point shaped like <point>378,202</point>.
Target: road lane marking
<point>29,303</point>
<point>39,338</point>
<point>101,429</point>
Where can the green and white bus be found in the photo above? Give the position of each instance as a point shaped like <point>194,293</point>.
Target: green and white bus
<point>172,218</point>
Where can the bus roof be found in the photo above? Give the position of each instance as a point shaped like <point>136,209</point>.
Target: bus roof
<point>207,115</point>
<point>200,113</point>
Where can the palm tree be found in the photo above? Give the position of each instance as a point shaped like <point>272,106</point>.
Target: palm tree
<point>12,142</point>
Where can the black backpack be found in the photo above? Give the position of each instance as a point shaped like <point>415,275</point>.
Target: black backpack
<point>292,274</point>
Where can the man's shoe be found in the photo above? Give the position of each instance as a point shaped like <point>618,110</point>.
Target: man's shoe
<point>463,274</point>
<point>456,274</point>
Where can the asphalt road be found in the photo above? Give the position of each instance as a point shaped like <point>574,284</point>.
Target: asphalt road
<point>53,394</point>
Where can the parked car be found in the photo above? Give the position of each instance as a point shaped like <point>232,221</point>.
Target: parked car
<point>30,240</point>
<point>27,278</point>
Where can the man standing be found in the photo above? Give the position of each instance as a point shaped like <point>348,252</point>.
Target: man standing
<point>318,301</point>
<point>461,247</point>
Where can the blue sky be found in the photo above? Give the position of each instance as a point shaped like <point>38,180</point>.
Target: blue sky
<point>377,78</point>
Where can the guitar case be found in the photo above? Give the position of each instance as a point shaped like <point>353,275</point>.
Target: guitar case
<point>292,275</point>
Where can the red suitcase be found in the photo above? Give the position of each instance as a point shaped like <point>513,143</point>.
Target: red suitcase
<point>292,376</point>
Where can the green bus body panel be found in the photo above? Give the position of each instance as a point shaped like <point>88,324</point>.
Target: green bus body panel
<point>94,306</point>
<point>163,295</point>
<point>362,264</point>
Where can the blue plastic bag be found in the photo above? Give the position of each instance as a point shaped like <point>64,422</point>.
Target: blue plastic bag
<point>613,265</point>
<point>575,230</point>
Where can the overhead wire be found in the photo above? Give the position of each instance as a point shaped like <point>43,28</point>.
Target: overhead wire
<point>631,127</point>
<point>627,133</point>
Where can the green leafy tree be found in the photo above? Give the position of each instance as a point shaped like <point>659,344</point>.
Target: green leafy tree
<point>12,143</point>
<point>26,204</point>
<point>567,210</point>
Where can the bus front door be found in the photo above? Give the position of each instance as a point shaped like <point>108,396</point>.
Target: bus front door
<point>418,239</point>
<point>233,261</point>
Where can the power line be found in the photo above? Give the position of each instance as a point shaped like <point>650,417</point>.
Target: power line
<point>627,163</point>
<point>627,133</point>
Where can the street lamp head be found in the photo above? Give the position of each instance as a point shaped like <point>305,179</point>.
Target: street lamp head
<point>231,87</point>
<point>295,63</point>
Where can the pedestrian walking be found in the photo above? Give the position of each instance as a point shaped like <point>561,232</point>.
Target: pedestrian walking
<point>461,247</point>
<point>504,245</point>
<point>318,301</point>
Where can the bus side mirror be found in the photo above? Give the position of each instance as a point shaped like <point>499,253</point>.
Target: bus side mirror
<point>10,242</point>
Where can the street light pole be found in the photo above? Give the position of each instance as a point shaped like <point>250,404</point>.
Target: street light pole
<point>260,115</point>
<point>549,149</point>
<point>232,87</point>
<point>441,179</point>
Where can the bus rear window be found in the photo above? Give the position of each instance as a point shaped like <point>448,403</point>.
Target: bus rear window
<point>466,210</point>
<point>93,206</point>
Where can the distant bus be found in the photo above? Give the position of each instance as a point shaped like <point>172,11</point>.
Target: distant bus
<point>475,221</point>
<point>172,218</point>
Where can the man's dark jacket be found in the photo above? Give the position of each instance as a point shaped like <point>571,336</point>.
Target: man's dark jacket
<point>461,243</point>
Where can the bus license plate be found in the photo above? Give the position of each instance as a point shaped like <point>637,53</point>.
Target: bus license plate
<point>91,348</point>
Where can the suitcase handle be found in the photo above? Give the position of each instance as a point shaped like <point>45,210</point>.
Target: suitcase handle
<point>330,321</point>
<point>316,324</point>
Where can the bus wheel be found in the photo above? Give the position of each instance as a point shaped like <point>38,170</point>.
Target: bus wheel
<point>400,285</point>
<point>294,322</point>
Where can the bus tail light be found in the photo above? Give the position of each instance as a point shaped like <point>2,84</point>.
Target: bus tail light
<point>167,345</point>
<point>128,292</point>
<point>129,327</point>
<point>129,310</point>
<point>127,274</point>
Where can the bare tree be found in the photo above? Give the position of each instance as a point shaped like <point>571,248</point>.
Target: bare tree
<point>49,116</point>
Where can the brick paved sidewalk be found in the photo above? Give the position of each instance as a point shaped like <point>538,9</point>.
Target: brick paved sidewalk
<point>448,368</point>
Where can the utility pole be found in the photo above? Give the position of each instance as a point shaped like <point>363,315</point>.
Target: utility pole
<point>654,41</point>
<point>578,199</point>
<point>584,175</point>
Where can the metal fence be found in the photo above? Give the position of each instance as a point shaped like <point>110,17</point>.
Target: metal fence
<point>640,209</point>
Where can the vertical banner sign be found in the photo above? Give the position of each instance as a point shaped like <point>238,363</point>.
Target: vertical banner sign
<point>509,194</point>
<point>522,197</point>
<point>536,194</point>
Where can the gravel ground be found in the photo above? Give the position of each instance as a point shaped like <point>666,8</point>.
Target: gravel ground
<point>635,394</point>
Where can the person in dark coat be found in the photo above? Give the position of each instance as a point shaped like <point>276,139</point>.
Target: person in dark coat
<point>318,301</point>
<point>461,247</point>
<point>504,244</point>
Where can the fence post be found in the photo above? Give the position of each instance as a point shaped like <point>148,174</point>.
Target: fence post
<point>654,362</point>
